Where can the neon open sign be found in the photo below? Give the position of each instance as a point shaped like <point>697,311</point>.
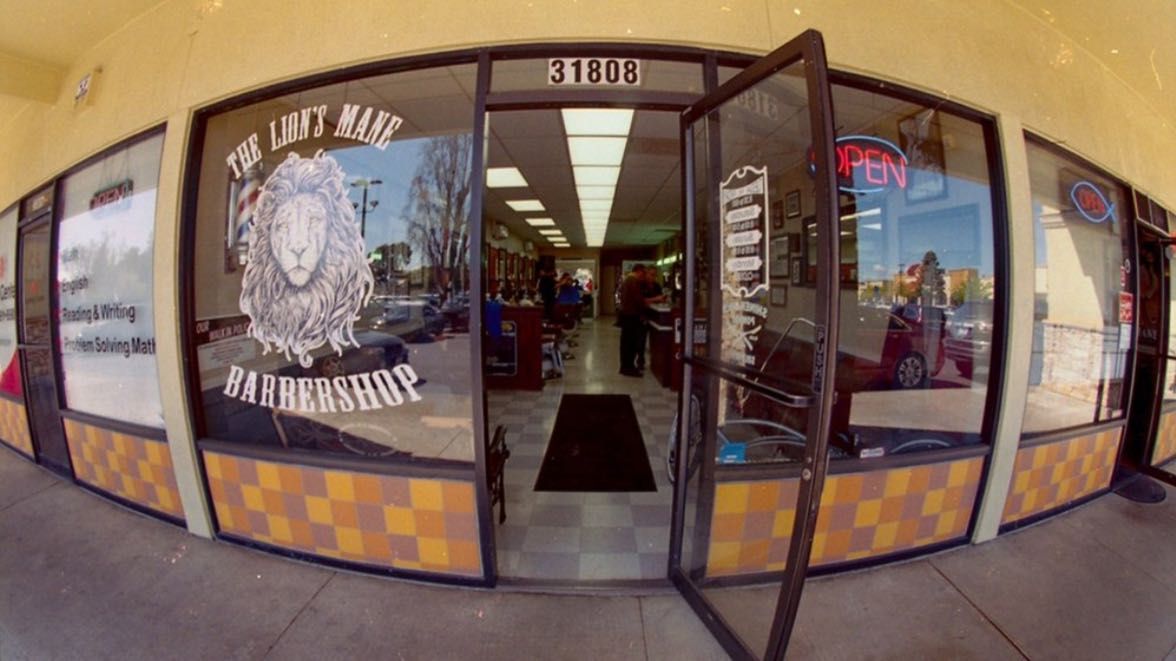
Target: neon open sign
<point>1090,202</point>
<point>867,164</point>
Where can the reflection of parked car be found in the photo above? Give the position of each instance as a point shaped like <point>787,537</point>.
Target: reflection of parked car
<point>413,320</point>
<point>912,351</point>
<point>969,335</point>
<point>376,351</point>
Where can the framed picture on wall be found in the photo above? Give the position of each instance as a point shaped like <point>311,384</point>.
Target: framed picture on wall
<point>777,215</point>
<point>921,139</point>
<point>792,204</point>
<point>779,296</point>
<point>779,267</point>
<point>797,271</point>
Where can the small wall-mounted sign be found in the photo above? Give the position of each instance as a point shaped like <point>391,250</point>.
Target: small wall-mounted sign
<point>1091,202</point>
<point>607,71</point>
<point>84,90</point>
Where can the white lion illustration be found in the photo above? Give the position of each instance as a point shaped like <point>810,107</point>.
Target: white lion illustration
<point>307,276</point>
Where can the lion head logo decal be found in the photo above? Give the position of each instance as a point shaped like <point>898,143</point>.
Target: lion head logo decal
<point>307,276</point>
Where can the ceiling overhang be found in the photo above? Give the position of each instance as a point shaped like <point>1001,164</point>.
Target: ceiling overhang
<point>29,80</point>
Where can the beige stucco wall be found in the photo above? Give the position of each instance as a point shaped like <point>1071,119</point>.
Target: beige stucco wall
<point>993,56</point>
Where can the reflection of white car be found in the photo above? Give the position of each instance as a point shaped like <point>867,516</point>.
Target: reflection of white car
<point>412,320</point>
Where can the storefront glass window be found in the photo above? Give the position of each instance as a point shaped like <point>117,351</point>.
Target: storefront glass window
<point>105,253</point>
<point>1169,387</point>
<point>331,271</point>
<point>1080,340</point>
<point>9,359</point>
<point>918,274</point>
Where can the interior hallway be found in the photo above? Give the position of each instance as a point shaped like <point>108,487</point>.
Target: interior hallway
<point>583,536</point>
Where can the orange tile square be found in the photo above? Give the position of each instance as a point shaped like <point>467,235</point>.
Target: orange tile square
<point>430,523</point>
<point>344,514</point>
<point>367,490</point>
<point>457,496</point>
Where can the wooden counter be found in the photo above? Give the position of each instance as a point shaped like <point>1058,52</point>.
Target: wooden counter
<point>514,359</point>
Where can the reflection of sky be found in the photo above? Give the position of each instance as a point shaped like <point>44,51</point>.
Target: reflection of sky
<point>396,167</point>
<point>904,231</point>
<point>120,228</point>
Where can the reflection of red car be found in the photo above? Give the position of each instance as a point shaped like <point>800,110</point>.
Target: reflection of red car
<point>910,341</point>
<point>916,346</point>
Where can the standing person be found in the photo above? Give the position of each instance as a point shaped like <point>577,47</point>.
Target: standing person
<point>651,291</point>
<point>546,287</point>
<point>629,315</point>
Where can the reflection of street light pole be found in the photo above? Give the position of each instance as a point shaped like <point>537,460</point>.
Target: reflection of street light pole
<point>363,207</point>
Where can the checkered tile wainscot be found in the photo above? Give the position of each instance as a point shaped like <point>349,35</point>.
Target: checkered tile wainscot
<point>861,515</point>
<point>14,427</point>
<point>1052,475</point>
<point>136,469</point>
<point>410,523</point>
<point>1165,449</point>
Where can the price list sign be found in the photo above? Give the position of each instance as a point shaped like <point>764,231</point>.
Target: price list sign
<point>744,205</point>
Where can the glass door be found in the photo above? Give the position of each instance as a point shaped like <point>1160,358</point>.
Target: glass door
<point>755,410</point>
<point>36,347</point>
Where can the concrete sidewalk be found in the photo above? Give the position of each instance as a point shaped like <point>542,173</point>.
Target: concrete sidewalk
<point>83,578</point>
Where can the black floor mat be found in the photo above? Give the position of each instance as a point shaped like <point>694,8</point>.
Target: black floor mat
<point>596,445</point>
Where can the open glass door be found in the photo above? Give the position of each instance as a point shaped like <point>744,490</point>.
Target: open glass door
<point>754,415</point>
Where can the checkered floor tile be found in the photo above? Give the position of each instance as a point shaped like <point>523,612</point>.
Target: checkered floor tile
<point>583,536</point>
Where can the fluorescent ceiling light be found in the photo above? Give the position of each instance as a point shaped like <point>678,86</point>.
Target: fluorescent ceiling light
<point>597,121</point>
<point>596,150</point>
<point>594,175</point>
<point>562,245</point>
<point>505,178</point>
<point>551,232</point>
<point>540,222</point>
<point>525,205</point>
<point>596,192</point>
<point>595,205</point>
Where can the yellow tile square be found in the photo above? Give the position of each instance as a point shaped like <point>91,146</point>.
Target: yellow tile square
<point>143,468</point>
<point>933,502</point>
<point>897,482</point>
<point>782,523</point>
<point>867,513</point>
<point>724,557</point>
<point>267,476</point>
<point>433,551</point>
<point>251,494</point>
<point>945,524</point>
<point>884,535</point>
<point>212,466</point>
<point>280,529</point>
<point>318,509</point>
<point>732,498</point>
<point>1021,483</point>
<point>399,520</point>
<point>426,495</point>
<point>350,540</point>
<point>340,486</point>
<point>958,474</point>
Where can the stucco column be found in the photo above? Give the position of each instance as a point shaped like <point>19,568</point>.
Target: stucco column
<point>1019,331</point>
<point>169,343</point>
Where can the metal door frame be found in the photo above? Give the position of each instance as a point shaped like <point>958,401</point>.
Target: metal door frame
<point>807,48</point>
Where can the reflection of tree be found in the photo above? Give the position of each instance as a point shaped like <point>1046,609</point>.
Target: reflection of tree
<point>930,282</point>
<point>972,289</point>
<point>391,261</point>
<point>438,211</point>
